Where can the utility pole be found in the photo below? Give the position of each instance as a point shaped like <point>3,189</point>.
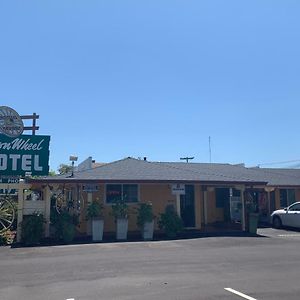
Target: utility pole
<point>187,158</point>
<point>209,146</point>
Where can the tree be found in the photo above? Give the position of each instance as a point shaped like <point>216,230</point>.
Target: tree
<point>51,173</point>
<point>64,169</point>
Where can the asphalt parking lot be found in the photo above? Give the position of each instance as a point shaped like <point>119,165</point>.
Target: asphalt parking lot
<point>265,267</point>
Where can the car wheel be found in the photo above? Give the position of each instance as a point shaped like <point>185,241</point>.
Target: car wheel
<point>277,222</point>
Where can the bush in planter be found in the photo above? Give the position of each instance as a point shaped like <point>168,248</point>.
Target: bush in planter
<point>171,223</point>
<point>120,212</point>
<point>94,213</point>
<point>32,229</point>
<point>144,214</point>
<point>145,220</point>
<point>94,210</point>
<point>252,214</point>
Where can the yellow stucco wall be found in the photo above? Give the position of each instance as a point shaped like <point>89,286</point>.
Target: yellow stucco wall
<point>297,195</point>
<point>159,194</point>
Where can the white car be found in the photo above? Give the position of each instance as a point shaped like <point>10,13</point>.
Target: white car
<point>289,216</point>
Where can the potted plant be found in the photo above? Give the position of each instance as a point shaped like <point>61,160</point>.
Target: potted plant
<point>145,220</point>
<point>170,222</point>
<point>120,213</point>
<point>94,213</point>
<point>252,214</point>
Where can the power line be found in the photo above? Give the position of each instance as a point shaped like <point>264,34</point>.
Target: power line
<point>279,162</point>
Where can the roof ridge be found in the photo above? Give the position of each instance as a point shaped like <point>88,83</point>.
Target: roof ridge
<point>190,163</point>
<point>108,164</point>
<point>197,172</point>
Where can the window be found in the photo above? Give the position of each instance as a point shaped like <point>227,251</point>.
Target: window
<point>287,197</point>
<point>33,195</point>
<point>113,193</point>
<point>130,193</point>
<point>291,196</point>
<point>122,192</point>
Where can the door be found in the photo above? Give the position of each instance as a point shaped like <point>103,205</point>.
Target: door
<point>293,216</point>
<point>187,206</point>
<point>263,208</point>
<point>222,205</point>
<point>236,208</point>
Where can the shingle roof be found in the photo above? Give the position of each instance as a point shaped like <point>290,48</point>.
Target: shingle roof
<point>131,169</point>
<point>215,171</point>
<point>279,177</point>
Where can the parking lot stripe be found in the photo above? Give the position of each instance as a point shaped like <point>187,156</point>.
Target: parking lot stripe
<point>239,294</point>
<point>289,235</point>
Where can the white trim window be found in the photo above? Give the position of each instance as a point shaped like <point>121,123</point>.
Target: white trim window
<point>121,192</point>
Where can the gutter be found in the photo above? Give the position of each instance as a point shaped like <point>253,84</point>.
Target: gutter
<point>74,180</point>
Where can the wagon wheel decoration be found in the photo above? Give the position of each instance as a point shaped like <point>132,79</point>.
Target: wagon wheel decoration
<point>60,201</point>
<point>11,123</point>
<point>65,201</point>
<point>7,214</point>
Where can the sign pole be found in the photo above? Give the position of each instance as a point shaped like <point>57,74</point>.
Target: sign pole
<point>178,189</point>
<point>178,210</point>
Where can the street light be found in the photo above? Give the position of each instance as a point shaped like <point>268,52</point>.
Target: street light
<point>73,158</point>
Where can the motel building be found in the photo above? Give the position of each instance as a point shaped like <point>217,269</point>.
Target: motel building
<point>206,196</point>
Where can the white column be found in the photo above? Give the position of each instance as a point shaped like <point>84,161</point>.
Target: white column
<point>178,204</point>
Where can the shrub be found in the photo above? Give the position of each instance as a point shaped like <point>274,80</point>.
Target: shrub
<point>171,223</point>
<point>32,229</point>
<point>94,210</point>
<point>120,210</point>
<point>68,232</point>
<point>3,239</point>
<point>144,214</point>
<point>64,225</point>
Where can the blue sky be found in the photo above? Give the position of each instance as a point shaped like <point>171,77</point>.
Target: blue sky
<point>112,79</point>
